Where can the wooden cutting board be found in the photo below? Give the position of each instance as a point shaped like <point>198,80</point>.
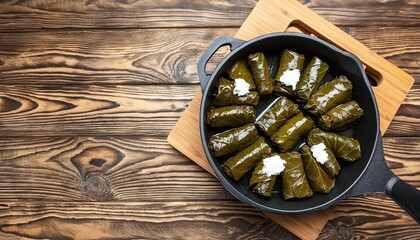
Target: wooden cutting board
<point>277,16</point>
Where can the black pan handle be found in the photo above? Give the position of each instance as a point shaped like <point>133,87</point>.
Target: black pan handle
<point>407,196</point>
<point>218,43</point>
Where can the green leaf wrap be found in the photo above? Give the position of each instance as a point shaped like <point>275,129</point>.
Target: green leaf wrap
<point>230,116</point>
<point>345,148</point>
<point>311,78</point>
<point>246,159</point>
<point>259,68</point>
<point>292,132</point>
<point>233,140</point>
<point>330,95</point>
<point>340,117</point>
<point>277,115</point>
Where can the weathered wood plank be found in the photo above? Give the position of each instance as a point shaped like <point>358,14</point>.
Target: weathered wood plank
<point>150,56</point>
<point>140,220</point>
<point>370,217</point>
<point>99,169</point>
<point>31,14</point>
<point>74,110</point>
<point>129,169</point>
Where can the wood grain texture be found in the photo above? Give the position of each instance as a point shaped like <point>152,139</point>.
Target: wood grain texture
<point>370,217</point>
<point>151,56</point>
<point>101,169</point>
<point>31,14</point>
<point>66,110</point>
<point>148,56</point>
<point>151,220</point>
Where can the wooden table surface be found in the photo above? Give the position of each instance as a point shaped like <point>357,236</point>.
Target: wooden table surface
<point>89,91</point>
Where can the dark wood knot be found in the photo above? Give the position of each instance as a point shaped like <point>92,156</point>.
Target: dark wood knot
<point>96,159</point>
<point>97,187</point>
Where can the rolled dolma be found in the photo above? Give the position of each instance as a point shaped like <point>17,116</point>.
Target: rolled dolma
<point>340,117</point>
<point>265,174</point>
<point>289,61</point>
<point>330,95</point>
<point>311,78</point>
<point>233,140</point>
<point>242,162</point>
<point>294,182</point>
<point>277,115</point>
<point>326,158</point>
<point>292,132</point>
<point>317,178</point>
<point>345,148</point>
<point>259,68</point>
<point>240,70</point>
<point>230,116</point>
<point>225,95</point>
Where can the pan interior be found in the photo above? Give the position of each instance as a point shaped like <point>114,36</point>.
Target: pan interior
<point>365,130</point>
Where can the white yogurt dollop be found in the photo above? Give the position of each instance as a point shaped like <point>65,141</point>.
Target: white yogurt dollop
<point>290,78</point>
<point>241,87</point>
<point>319,152</point>
<point>273,165</point>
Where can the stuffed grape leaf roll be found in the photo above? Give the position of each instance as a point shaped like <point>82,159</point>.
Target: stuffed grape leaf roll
<point>311,78</point>
<point>230,116</point>
<point>317,177</point>
<point>262,77</point>
<point>246,159</point>
<point>225,95</point>
<point>294,182</point>
<point>292,132</point>
<point>239,70</point>
<point>277,115</point>
<point>288,75</point>
<point>326,158</point>
<point>230,141</point>
<point>345,148</point>
<point>340,117</point>
<point>265,174</point>
<point>330,95</point>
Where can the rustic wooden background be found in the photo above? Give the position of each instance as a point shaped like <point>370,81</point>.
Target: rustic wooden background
<point>90,89</point>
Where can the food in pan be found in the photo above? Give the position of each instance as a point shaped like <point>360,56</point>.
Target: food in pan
<point>265,174</point>
<point>230,116</point>
<point>330,95</point>
<point>317,177</point>
<point>239,70</point>
<point>246,159</point>
<point>288,74</point>
<point>294,182</point>
<point>326,158</point>
<point>345,148</point>
<point>262,77</point>
<point>277,115</point>
<point>230,141</point>
<point>311,78</point>
<point>340,117</point>
<point>292,132</point>
<point>287,121</point>
<point>226,94</point>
